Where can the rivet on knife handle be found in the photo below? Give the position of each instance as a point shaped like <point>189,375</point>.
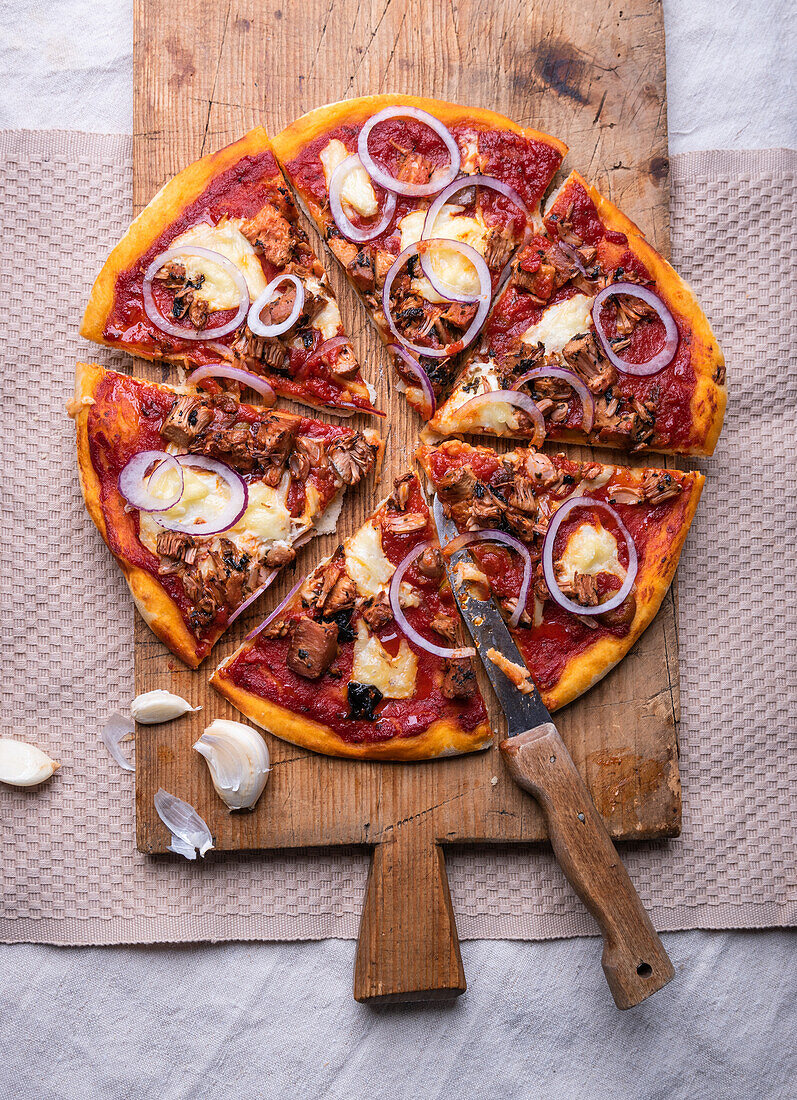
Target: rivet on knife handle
<point>634,959</point>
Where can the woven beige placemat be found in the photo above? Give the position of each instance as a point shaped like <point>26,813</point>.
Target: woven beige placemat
<point>71,874</point>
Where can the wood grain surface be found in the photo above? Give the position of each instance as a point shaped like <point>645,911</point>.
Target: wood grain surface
<point>590,72</point>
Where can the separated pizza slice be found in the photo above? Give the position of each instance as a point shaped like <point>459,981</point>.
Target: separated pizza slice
<point>364,657</point>
<point>595,338</point>
<point>217,273</point>
<point>578,555</point>
<point>386,178</point>
<point>202,499</point>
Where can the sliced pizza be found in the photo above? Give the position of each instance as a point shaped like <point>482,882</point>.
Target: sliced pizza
<point>217,273</point>
<point>202,499</point>
<point>364,657</point>
<point>595,338</point>
<point>389,178</point>
<point>578,555</point>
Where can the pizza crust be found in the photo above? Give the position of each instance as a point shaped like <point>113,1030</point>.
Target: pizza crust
<point>442,738</point>
<point>164,209</point>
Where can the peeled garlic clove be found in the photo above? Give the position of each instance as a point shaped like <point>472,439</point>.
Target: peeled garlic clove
<point>23,765</point>
<point>159,706</point>
<point>238,760</point>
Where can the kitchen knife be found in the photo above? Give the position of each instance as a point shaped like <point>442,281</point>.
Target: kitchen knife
<point>634,960</point>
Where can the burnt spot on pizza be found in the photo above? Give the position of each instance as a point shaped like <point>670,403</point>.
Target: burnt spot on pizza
<point>363,700</point>
<point>343,621</point>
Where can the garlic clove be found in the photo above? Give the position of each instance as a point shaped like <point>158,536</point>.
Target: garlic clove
<point>238,761</point>
<point>159,706</point>
<point>23,765</point>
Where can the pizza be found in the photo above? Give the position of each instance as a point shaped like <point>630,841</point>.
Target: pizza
<point>386,179</point>
<point>202,499</point>
<point>578,555</point>
<point>595,339</point>
<point>216,273</point>
<point>364,657</point>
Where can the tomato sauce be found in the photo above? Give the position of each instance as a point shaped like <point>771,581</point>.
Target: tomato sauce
<point>261,668</point>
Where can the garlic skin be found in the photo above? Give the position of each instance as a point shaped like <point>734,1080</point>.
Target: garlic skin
<point>159,706</point>
<point>238,761</point>
<point>23,765</point>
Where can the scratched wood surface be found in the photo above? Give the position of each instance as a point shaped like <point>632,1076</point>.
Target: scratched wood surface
<point>589,71</point>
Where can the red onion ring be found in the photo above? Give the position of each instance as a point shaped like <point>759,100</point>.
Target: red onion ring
<point>417,371</point>
<point>454,188</point>
<point>493,535</point>
<point>325,346</point>
<point>670,346</point>
<point>134,481</point>
<point>401,619</point>
<point>253,319</point>
<point>258,592</point>
<point>572,379</point>
<point>237,374</point>
<point>475,325</point>
<point>157,318</point>
<point>220,349</point>
<point>473,256</point>
<point>347,228</point>
<point>390,183</point>
<point>280,606</point>
<point>509,397</point>
<point>230,513</point>
<point>547,558</point>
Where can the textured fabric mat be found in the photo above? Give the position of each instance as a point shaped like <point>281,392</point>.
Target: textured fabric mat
<point>71,872</point>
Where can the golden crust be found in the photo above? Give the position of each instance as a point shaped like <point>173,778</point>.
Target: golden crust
<point>710,397</point>
<point>290,141</point>
<point>442,738</point>
<point>161,212</point>
<point>158,610</point>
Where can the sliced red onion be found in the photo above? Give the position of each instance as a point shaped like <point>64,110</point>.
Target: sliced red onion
<point>268,295</point>
<point>509,397</point>
<point>390,183</point>
<point>157,318</point>
<point>662,358</point>
<point>572,379</point>
<point>221,350</point>
<point>280,607</point>
<point>237,374</point>
<point>417,372</point>
<point>493,535</point>
<point>117,729</point>
<point>230,513</point>
<point>400,617</point>
<point>547,558</point>
<point>182,820</point>
<point>572,256</point>
<point>326,346</point>
<point>454,188</point>
<point>134,481</point>
<point>476,323</point>
<point>258,592</point>
<point>470,254</point>
<point>350,231</point>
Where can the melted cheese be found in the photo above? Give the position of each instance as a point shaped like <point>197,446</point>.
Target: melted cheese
<point>366,564</point>
<point>357,189</point>
<point>590,550</point>
<point>498,417</point>
<point>449,266</point>
<point>394,676</point>
<point>328,320</point>
<point>218,289</point>
<point>560,323</point>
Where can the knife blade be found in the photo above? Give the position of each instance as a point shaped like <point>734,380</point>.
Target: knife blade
<point>634,960</point>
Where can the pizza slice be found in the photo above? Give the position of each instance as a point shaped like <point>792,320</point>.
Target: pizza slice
<point>595,338</point>
<point>217,273</point>
<point>364,658</point>
<point>202,499</point>
<point>578,555</point>
<point>386,178</point>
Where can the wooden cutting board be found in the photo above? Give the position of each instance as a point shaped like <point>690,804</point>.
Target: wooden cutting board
<point>592,73</point>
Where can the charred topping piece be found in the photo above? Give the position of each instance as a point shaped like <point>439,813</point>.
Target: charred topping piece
<point>658,487</point>
<point>363,700</point>
<point>270,234</point>
<point>188,418</point>
<point>376,611</point>
<point>352,458</point>
<point>459,679</point>
<point>313,647</point>
<point>584,356</point>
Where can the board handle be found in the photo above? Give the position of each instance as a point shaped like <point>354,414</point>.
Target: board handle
<point>634,959</point>
<point>408,948</point>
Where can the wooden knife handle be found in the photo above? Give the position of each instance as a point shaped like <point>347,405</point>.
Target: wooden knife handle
<point>634,959</point>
